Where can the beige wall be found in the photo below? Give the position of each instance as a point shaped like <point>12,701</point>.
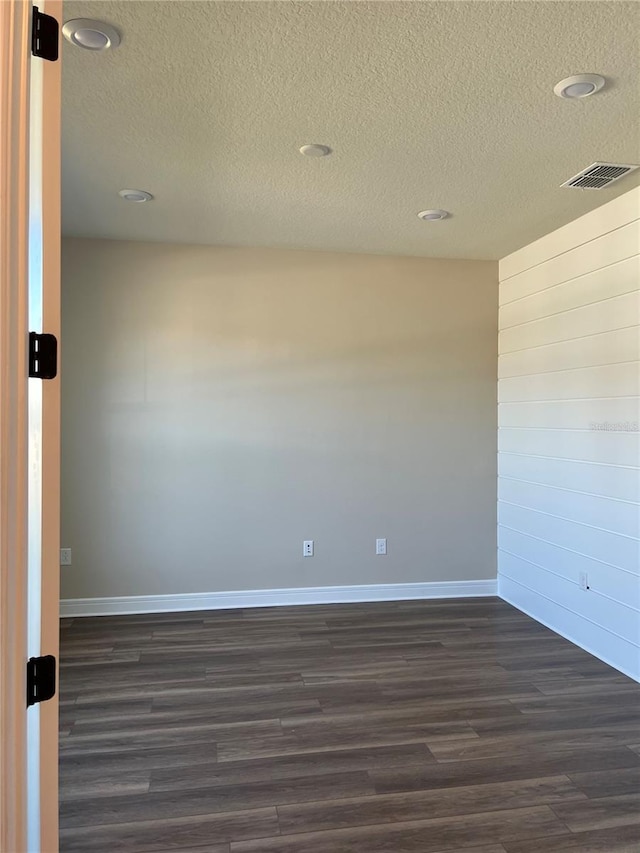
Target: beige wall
<point>222,405</point>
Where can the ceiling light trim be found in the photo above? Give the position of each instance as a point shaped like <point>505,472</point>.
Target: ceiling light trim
<point>315,149</point>
<point>86,33</point>
<point>579,86</point>
<point>135,196</point>
<point>434,214</point>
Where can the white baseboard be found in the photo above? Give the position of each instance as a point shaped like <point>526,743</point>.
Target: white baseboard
<point>594,639</point>
<point>133,604</point>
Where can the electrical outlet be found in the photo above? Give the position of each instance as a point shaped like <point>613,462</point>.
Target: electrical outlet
<point>583,581</point>
<point>307,548</point>
<point>381,546</point>
<point>65,556</point>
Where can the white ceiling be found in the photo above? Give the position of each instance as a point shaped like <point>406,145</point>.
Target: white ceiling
<point>426,104</point>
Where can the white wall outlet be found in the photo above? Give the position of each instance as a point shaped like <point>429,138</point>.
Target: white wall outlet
<point>65,556</point>
<point>583,581</point>
<point>381,546</point>
<point>307,548</point>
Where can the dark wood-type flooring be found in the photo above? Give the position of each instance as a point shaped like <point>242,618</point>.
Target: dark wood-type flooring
<point>404,727</point>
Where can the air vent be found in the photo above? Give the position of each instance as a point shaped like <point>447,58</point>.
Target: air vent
<point>598,175</point>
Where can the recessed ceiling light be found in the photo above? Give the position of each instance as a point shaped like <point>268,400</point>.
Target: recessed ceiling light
<point>579,86</point>
<point>91,35</point>
<point>315,150</point>
<point>135,195</point>
<point>433,215</point>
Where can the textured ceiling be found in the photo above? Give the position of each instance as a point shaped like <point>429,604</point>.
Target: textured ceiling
<point>426,104</point>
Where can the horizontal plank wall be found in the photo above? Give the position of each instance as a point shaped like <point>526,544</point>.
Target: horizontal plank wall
<point>568,431</point>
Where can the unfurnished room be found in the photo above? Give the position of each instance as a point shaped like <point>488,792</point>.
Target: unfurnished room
<point>331,481</point>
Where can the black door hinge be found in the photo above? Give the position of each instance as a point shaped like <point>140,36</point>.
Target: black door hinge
<point>41,679</point>
<point>43,356</point>
<point>45,35</point>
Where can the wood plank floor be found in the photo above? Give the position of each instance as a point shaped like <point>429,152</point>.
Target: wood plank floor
<point>404,727</point>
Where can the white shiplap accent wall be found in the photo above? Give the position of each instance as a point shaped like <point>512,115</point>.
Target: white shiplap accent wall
<point>568,441</point>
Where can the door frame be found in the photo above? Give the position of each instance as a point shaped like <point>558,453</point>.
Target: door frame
<point>51,310</point>
<point>15,23</point>
<point>15,59</point>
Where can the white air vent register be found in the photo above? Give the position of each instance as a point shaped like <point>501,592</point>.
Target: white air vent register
<point>598,175</point>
